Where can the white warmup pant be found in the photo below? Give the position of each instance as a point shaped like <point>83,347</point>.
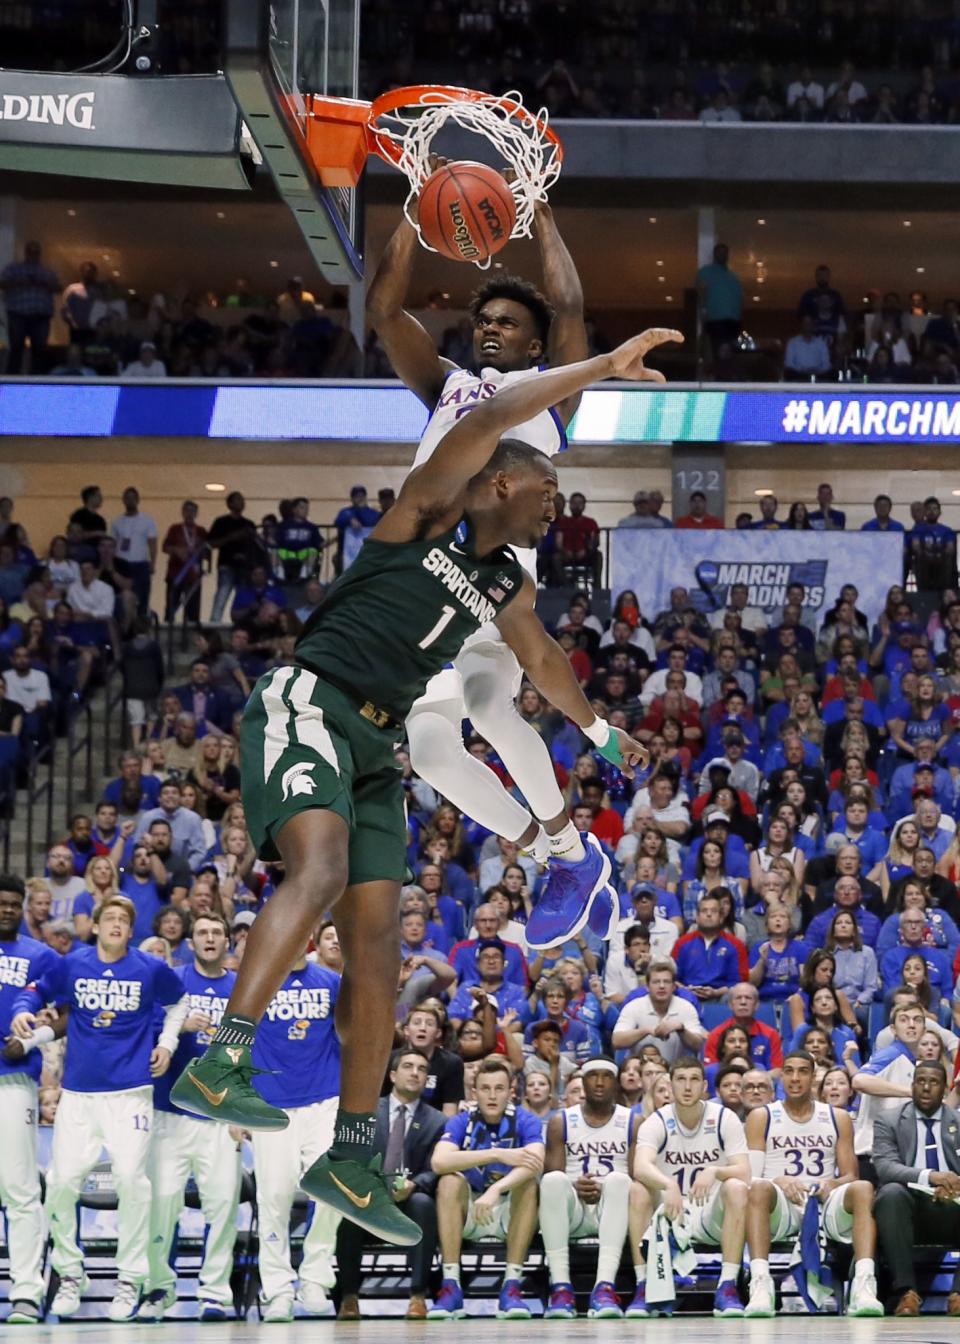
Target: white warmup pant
<point>564,1218</point>
<point>20,1189</point>
<point>184,1145</point>
<point>87,1122</point>
<point>482,686</point>
<point>280,1158</point>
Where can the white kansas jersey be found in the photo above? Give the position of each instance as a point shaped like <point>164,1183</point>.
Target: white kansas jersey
<point>596,1150</point>
<point>464,390</point>
<point>807,1150</point>
<point>683,1153</point>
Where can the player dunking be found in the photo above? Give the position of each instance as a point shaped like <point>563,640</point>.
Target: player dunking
<point>321,788</point>
<point>585,1191</point>
<point>516,330</point>
<point>802,1149</point>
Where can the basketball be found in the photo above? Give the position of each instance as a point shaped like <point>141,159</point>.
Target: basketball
<point>466,211</point>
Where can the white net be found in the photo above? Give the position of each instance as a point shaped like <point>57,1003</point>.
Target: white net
<point>520,137</point>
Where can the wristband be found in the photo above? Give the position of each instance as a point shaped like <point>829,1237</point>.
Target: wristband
<point>598,732</point>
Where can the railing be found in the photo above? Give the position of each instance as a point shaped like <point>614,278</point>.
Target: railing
<point>78,743</point>
<point>38,790</point>
<point>114,697</point>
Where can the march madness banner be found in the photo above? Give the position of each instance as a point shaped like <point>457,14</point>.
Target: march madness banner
<point>707,564</point>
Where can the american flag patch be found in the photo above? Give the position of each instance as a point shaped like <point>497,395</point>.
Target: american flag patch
<point>496,593</point>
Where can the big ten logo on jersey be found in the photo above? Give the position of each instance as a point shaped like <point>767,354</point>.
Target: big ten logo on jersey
<point>299,1005</point>
<point>14,970</point>
<point>107,997</point>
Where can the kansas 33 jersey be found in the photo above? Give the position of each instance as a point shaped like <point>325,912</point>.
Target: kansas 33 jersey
<point>808,1150</point>
<point>683,1153</point>
<point>464,390</point>
<point>596,1150</point>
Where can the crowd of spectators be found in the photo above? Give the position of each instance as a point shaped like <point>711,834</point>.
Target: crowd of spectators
<point>784,756</point>
<point>788,864</point>
<point>117,333</point>
<point>881,340</point>
<point>680,61</point>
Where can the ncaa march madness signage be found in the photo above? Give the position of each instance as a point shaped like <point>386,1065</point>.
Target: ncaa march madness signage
<point>653,561</point>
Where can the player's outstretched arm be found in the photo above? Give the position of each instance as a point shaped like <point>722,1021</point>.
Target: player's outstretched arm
<point>439,484</point>
<point>550,670</point>
<point>408,344</point>
<point>567,343</point>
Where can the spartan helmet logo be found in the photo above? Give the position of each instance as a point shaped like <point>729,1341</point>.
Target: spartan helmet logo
<point>297,780</point>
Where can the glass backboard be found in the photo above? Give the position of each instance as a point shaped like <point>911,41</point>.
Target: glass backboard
<point>295,48</point>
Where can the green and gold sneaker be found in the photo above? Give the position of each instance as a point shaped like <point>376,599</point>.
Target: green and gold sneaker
<point>219,1085</point>
<point>362,1193</point>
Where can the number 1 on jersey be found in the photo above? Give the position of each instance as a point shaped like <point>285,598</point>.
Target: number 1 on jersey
<point>446,616</point>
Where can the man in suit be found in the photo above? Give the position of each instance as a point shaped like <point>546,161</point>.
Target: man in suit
<point>919,1145</point>
<point>407,1130</point>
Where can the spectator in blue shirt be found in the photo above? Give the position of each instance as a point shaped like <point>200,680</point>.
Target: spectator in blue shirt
<point>871,843</point>
<point>490,986</point>
<point>298,543</point>
<point>768,520</point>
<point>933,547</point>
<point>249,595</point>
<point>913,942</point>
<point>357,517</point>
<point>824,304</point>
<point>882,522</point>
<point>775,964</point>
<point>825,518</point>
<point>847,895</point>
<point>185,826</point>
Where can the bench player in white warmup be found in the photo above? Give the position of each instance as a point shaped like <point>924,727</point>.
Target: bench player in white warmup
<point>516,330</point>
<point>802,1149</point>
<point>112,991</point>
<point>184,1144</point>
<point>298,1047</point>
<point>691,1157</point>
<point>585,1191</point>
<point>22,960</point>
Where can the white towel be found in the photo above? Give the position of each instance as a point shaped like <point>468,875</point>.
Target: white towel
<point>666,1249</point>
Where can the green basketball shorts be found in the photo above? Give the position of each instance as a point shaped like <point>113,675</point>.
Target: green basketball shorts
<point>304,745</point>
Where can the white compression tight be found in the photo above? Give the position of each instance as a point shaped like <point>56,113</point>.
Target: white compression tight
<point>482,688</point>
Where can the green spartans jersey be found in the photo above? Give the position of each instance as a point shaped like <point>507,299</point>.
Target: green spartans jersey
<point>403,610</point>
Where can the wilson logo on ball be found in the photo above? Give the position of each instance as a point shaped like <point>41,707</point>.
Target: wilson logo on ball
<point>466,211</point>
<point>462,238</point>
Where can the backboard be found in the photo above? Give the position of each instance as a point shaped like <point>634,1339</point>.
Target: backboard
<point>276,53</point>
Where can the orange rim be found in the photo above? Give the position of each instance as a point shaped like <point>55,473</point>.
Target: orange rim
<point>413,95</point>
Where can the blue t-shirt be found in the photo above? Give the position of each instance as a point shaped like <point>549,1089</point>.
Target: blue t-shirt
<point>868,924</point>
<point>110,1030</point>
<point>735,853</point>
<point>297,1040</point>
<point>205,994</point>
<point>938,967</point>
<point>507,996</point>
<point>22,961</point>
<point>874,526</point>
<point>147,899</point>
<point>945,932</point>
<point>471,1133</point>
<point>783,968</point>
<point>149,792</point>
<point>840,1036</point>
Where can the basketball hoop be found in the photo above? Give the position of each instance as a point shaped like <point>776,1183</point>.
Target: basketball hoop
<point>400,127</point>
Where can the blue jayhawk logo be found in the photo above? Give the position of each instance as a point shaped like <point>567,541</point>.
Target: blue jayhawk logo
<point>104,1019</point>
<point>298,1030</point>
